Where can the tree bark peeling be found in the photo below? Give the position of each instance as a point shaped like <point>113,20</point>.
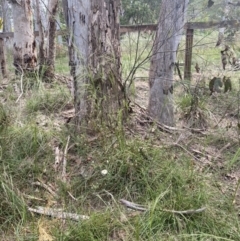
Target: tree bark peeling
<point>94,53</point>
<point>105,57</point>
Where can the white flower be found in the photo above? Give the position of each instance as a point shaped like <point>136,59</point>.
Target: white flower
<point>104,172</point>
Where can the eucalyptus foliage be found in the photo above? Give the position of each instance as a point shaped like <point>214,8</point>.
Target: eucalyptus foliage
<point>140,11</point>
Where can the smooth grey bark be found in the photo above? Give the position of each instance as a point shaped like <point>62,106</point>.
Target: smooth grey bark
<point>77,15</point>
<point>94,57</point>
<point>59,37</point>
<point>24,46</point>
<point>169,31</point>
<point>6,16</point>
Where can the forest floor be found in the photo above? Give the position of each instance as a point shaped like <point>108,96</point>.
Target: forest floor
<point>182,182</point>
<point>216,119</point>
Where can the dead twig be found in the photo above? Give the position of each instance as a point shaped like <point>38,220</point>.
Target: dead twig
<point>64,173</point>
<point>131,131</point>
<point>56,213</point>
<point>221,150</point>
<point>49,189</point>
<point>206,156</point>
<point>33,197</point>
<point>185,149</point>
<point>163,127</point>
<point>138,207</point>
<point>190,211</point>
<point>110,196</point>
<point>180,138</point>
<point>192,151</point>
<point>110,147</point>
<point>133,206</point>
<point>72,196</point>
<point>194,130</point>
<point>139,106</point>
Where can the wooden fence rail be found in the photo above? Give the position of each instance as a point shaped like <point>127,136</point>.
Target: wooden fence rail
<point>153,27</point>
<point>190,26</point>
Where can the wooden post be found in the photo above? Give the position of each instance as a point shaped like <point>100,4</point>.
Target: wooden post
<point>188,54</point>
<point>3,59</point>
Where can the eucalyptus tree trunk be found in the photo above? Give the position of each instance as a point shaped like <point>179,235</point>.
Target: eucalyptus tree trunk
<point>59,37</point>
<point>170,27</point>
<point>40,28</point>
<point>3,65</point>
<point>24,46</point>
<point>6,16</point>
<point>94,52</point>
<point>6,13</point>
<point>51,38</point>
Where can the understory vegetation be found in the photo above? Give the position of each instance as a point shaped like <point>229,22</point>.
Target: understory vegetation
<point>182,182</point>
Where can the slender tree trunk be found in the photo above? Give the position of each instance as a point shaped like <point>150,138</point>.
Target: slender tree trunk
<point>24,47</point>
<point>59,38</point>
<point>6,16</point>
<point>69,21</point>
<point>170,26</point>
<point>94,51</point>
<point>42,52</point>
<point>51,48</point>
<point>3,59</point>
<point>7,24</point>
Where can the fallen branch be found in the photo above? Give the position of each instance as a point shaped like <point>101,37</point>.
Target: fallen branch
<point>163,127</point>
<point>160,126</point>
<point>190,211</point>
<point>133,206</point>
<point>55,213</point>
<point>138,207</point>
